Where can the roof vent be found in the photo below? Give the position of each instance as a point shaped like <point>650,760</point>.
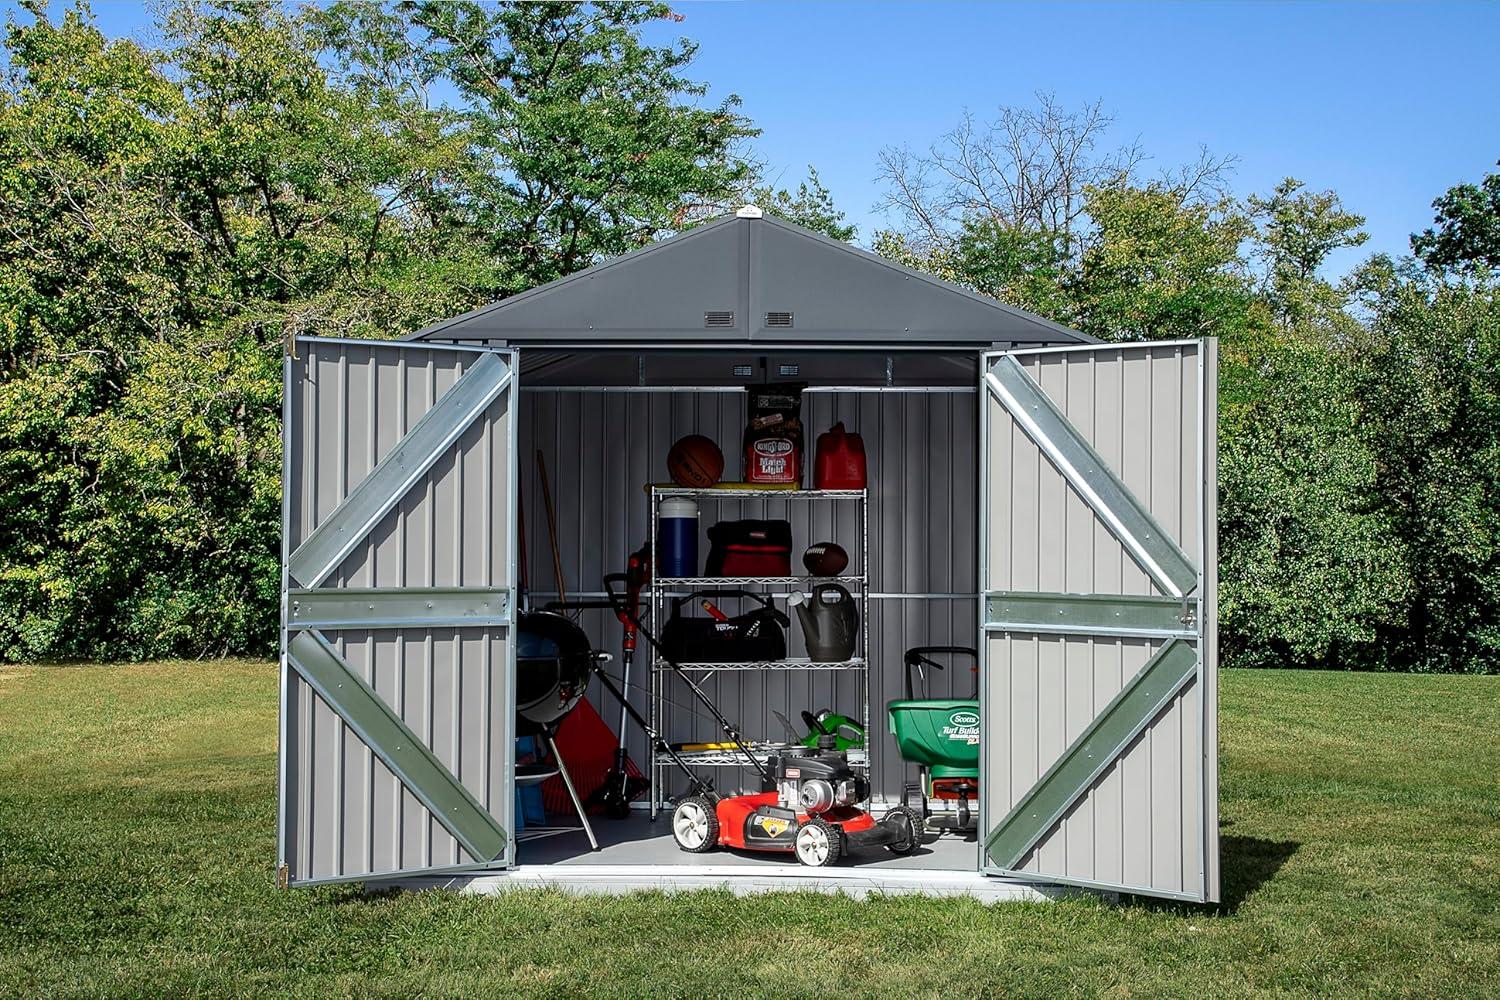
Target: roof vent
<point>716,319</point>
<point>748,212</point>
<point>782,319</point>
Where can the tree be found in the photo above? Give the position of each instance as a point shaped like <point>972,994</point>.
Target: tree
<point>810,206</point>
<point>1027,170</point>
<point>168,218</point>
<point>1297,230</point>
<point>1161,267</point>
<point>1465,235</point>
<point>1027,268</point>
<point>1310,565</point>
<point>1428,382</point>
<point>588,142</point>
<point>1008,208</point>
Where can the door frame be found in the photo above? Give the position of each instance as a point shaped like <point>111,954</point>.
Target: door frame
<point>505,813</point>
<point>1205,672</point>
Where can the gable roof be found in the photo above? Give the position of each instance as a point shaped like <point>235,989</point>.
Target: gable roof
<point>724,284</point>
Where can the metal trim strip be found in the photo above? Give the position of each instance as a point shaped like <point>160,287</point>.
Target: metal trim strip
<point>1113,345</point>
<point>401,344</point>
<point>1095,749</point>
<point>474,868</point>
<point>1124,516</point>
<point>283,670</point>
<point>383,731</point>
<point>328,544</point>
<point>398,607</point>
<point>1089,614</point>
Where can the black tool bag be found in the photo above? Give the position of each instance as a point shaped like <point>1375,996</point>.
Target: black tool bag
<point>759,634</point>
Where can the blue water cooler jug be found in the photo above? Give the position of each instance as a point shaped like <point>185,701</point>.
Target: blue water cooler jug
<point>677,534</point>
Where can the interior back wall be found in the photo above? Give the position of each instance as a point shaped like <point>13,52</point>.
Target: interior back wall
<point>601,448</point>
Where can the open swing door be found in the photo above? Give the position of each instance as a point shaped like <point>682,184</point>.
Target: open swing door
<point>1097,569</point>
<point>398,573</point>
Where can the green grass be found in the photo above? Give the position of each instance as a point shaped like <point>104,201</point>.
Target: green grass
<point>1361,856</point>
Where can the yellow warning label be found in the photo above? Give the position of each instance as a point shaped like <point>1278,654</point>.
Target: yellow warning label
<point>773,826</point>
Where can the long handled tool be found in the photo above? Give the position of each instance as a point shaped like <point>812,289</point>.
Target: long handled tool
<point>732,734</point>
<point>557,570</point>
<point>623,784</point>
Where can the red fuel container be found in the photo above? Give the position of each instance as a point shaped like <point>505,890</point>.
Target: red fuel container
<point>840,460</point>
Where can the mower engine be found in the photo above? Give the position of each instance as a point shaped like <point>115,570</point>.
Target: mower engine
<point>815,780</point>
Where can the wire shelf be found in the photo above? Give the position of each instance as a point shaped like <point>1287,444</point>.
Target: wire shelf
<point>710,492</point>
<point>789,663</point>
<point>664,589</point>
<point>702,582</point>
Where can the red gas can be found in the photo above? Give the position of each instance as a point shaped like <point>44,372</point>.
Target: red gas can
<point>840,461</point>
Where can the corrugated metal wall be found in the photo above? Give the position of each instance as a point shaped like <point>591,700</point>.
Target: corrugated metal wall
<point>345,813</point>
<point>601,448</point>
<point>1140,824</point>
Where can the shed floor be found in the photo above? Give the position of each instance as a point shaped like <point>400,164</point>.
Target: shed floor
<point>638,841</point>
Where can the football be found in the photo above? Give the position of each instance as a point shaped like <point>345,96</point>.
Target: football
<point>825,559</point>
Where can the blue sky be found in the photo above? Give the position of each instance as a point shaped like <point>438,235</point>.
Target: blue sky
<point>1388,104</point>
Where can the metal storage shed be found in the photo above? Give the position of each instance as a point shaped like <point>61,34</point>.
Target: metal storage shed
<point>1043,497</point>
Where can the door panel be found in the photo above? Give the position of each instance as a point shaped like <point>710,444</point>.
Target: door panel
<point>1099,703</point>
<point>397,721</point>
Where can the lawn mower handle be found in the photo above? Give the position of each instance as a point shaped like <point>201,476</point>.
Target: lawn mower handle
<point>729,728</point>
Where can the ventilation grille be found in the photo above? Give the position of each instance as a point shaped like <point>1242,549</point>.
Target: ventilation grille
<point>789,371</point>
<point>743,371</point>
<point>781,319</point>
<point>718,319</point>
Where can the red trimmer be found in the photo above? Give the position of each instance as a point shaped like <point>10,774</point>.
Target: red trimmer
<point>624,783</point>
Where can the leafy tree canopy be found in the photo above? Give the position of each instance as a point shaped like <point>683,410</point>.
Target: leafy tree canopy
<point>1465,235</point>
<point>168,217</point>
<point>810,206</point>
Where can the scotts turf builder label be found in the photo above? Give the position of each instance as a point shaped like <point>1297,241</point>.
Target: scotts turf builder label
<point>962,727</point>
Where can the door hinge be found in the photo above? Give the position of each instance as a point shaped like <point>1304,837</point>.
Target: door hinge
<point>1189,616</point>
<point>283,875</point>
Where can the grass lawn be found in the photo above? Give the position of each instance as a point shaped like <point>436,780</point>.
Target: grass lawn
<point>1361,856</point>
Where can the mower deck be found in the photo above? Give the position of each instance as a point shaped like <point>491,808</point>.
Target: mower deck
<point>638,841</point>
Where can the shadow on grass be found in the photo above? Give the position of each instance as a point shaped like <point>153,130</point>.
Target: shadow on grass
<point>1245,864</point>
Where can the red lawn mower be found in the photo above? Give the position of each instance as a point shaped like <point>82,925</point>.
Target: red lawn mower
<point>809,806</point>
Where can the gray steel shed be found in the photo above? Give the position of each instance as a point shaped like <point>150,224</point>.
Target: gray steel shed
<point>1045,498</point>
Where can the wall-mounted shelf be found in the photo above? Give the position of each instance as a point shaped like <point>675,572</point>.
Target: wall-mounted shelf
<point>732,494</point>
<point>661,603</point>
<point>704,582</point>
<point>789,663</point>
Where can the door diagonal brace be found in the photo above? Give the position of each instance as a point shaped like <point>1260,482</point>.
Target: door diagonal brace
<point>327,546</point>
<point>382,730</point>
<point>1095,749</point>
<point>1149,545</point>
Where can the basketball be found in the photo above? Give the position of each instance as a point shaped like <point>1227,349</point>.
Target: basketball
<point>696,462</point>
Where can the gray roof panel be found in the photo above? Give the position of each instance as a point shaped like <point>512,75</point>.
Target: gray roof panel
<point>739,270</point>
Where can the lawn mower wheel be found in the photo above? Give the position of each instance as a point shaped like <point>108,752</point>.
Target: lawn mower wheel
<point>818,843</point>
<point>695,824</point>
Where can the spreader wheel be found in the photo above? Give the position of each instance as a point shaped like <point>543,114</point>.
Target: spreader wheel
<point>818,843</point>
<point>909,823</point>
<point>695,824</point>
